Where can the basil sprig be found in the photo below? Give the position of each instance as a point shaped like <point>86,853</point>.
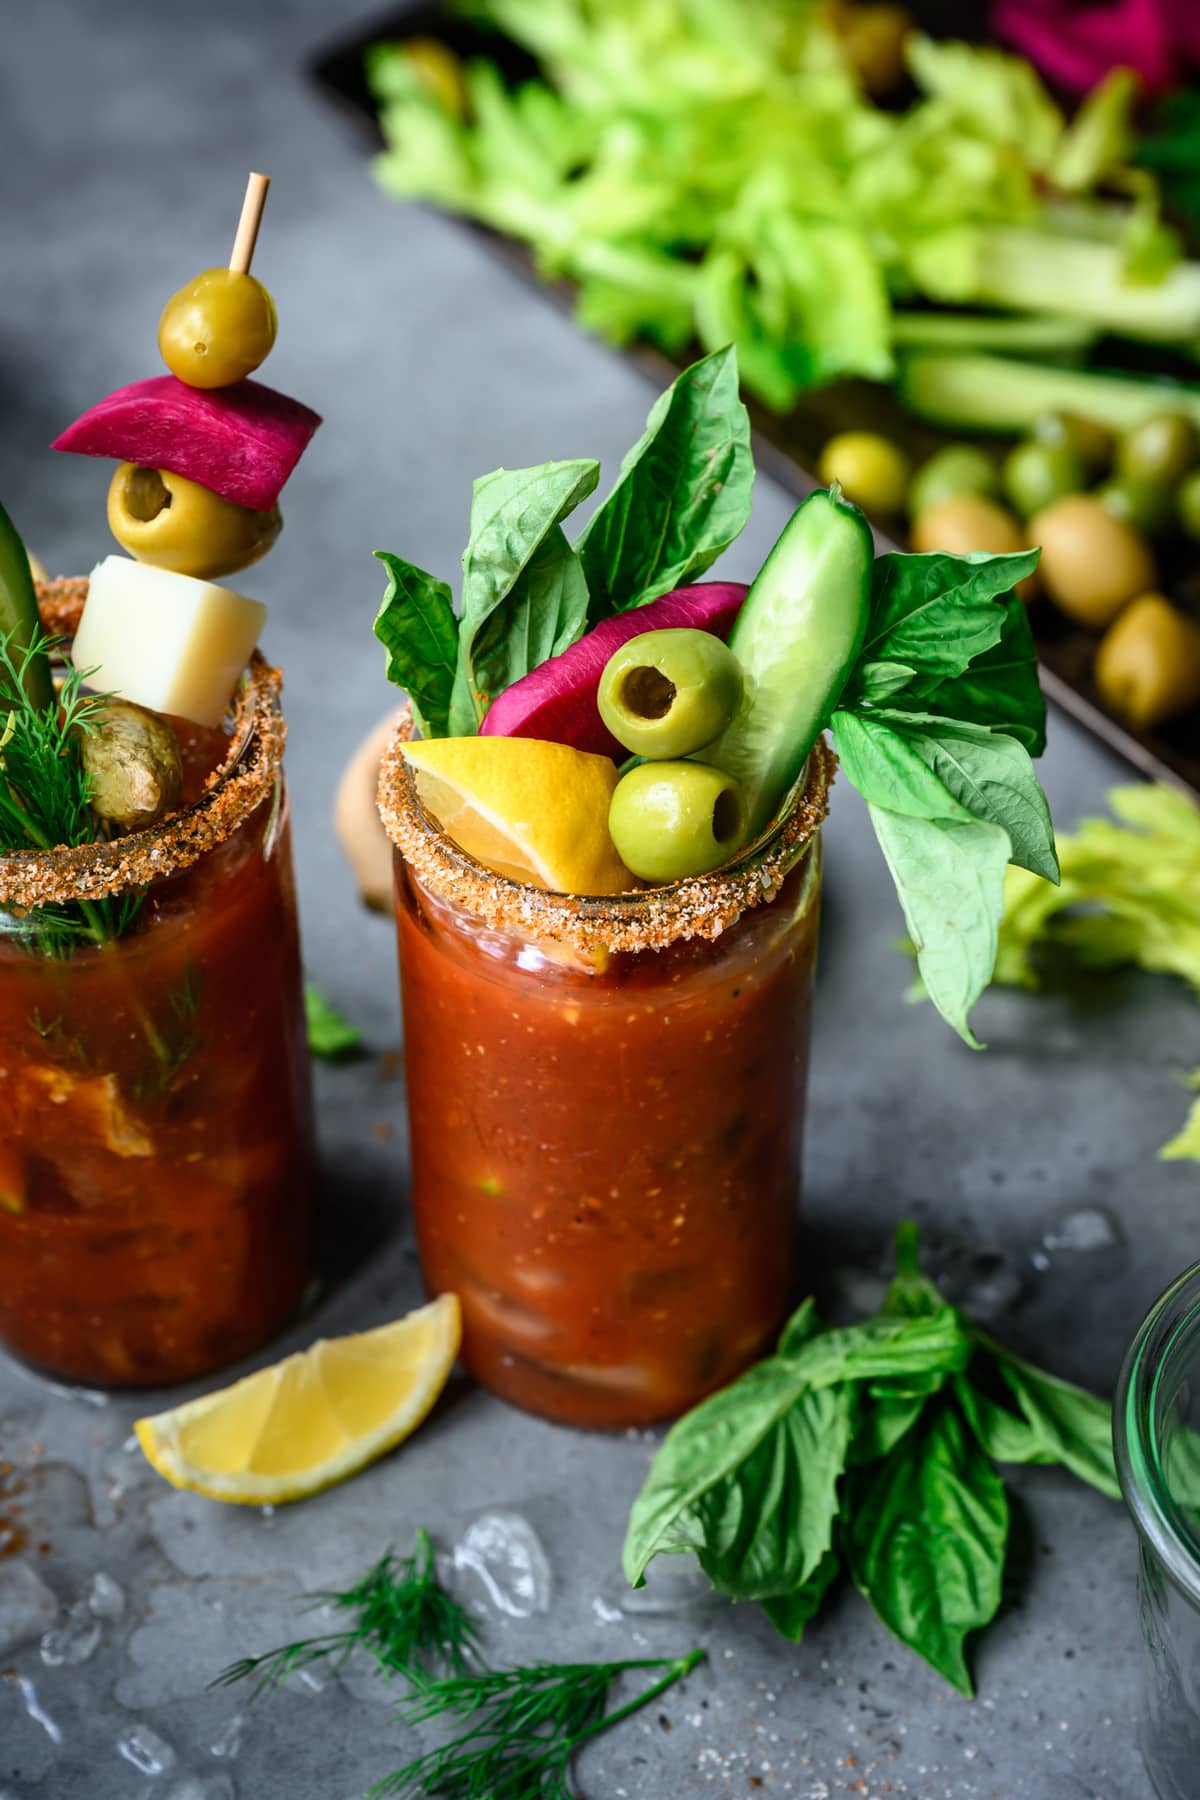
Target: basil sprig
<point>936,728</point>
<point>868,1451</point>
<point>681,497</point>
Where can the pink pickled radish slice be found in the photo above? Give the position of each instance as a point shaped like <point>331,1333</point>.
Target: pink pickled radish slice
<point>242,441</point>
<point>557,702</point>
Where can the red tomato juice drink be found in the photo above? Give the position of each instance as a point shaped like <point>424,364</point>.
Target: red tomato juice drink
<point>606,1100</point>
<point>157,1165</point>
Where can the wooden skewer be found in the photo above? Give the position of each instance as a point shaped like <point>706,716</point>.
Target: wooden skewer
<point>247,232</point>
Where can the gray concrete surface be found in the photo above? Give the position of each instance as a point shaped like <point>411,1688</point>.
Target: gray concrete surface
<point>125,133</point>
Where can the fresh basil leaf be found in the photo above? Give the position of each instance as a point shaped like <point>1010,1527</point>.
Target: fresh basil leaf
<point>329,1034</point>
<point>790,1613</point>
<point>1075,1427</point>
<point>682,496</point>
<point>938,612</point>
<point>873,683</point>
<point>926,1536</point>
<point>889,771</point>
<point>708,1445</point>
<point>545,613</point>
<point>1000,689</point>
<point>949,877</point>
<point>416,626</point>
<point>988,773</point>
<point>521,589</point>
<point>1007,1437</point>
<point>910,1293</point>
<point>801,1328</point>
<point>884,1416</point>
<point>766,1528</point>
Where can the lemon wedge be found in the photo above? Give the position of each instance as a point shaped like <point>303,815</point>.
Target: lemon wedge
<point>534,811</point>
<point>309,1420</point>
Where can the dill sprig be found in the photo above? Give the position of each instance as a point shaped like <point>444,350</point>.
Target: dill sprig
<point>44,791</point>
<point>523,1727</point>
<point>403,1617</point>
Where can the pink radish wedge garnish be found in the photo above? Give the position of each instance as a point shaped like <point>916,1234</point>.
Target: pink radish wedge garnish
<point>241,441</point>
<point>557,702</point>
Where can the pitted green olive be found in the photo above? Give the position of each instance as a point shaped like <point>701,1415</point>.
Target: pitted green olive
<point>1036,475</point>
<point>953,470</point>
<point>1092,442</point>
<point>670,820</point>
<point>131,759</point>
<point>1148,663</point>
<point>869,468</point>
<point>1162,448</point>
<point>217,329</point>
<point>164,519</point>
<point>667,693</point>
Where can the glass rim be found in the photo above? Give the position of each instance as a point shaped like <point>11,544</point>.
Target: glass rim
<point>233,790</point>
<point>1168,1332</point>
<point>636,919</point>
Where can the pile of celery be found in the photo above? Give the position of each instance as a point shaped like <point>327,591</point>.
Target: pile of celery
<point>709,169</point>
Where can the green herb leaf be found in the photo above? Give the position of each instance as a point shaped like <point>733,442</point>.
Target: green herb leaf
<point>522,600</point>
<point>741,1451</point>
<point>874,683</point>
<point>682,496</point>
<point>949,877</point>
<point>790,1613</point>
<point>766,1529</point>
<point>926,1540</point>
<point>1005,1436</point>
<point>1000,688</point>
<point>329,1034</point>
<point>1185,1145</point>
<point>938,612</point>
<point>1071,1425</point>
<point>937,768</point>
<point>910,1292</point>
<point>417,627</point>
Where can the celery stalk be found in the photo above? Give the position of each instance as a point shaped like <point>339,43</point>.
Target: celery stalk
<point>1037,271</point>
<point>1002,393</point>
<point>1039,335</point>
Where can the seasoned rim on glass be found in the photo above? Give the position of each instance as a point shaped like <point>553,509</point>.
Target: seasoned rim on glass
<point>644,919</point>
<point>1154,1366</point>
<point>233,791</point>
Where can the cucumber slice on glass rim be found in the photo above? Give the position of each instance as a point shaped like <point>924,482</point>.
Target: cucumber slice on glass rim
<point>797,637</point>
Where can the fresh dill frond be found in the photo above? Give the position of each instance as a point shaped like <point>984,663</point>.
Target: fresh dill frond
<point>522,1727</point>
<point>403,1617</point>
<point>45,794</point>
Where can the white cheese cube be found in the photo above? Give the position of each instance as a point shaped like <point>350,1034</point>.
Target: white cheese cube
<point>165,641</point>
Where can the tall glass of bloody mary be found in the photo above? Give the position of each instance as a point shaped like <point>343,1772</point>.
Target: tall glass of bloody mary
<point>157,1166</point>
<point>606,1099</point>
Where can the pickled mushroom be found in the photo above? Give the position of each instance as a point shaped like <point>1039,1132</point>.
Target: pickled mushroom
<point>133,766</point>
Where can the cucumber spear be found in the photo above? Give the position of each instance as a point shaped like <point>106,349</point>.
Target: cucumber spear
<point>797,637</point>
<point>20,626</point>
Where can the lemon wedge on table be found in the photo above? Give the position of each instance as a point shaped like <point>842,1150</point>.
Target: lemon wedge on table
<point>313,1418</point>
<point>531,810</point>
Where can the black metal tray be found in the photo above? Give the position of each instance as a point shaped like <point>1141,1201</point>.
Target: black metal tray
<point>786,445</point>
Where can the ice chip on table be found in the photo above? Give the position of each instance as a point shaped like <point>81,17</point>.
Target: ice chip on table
<point>27,1607</point>
<point>74,1640</point>
<point>106,1597</point>
<point>148,1752</point>
<point>165,641</point>
<point>504,1552</point>
<point>1083,1229</point>
<point>242,442</point>
<point>202,1787</point>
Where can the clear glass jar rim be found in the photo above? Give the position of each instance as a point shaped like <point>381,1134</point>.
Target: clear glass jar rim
<point>1167,1335</point>
<point>233,791</point>
<point>648,918</point>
